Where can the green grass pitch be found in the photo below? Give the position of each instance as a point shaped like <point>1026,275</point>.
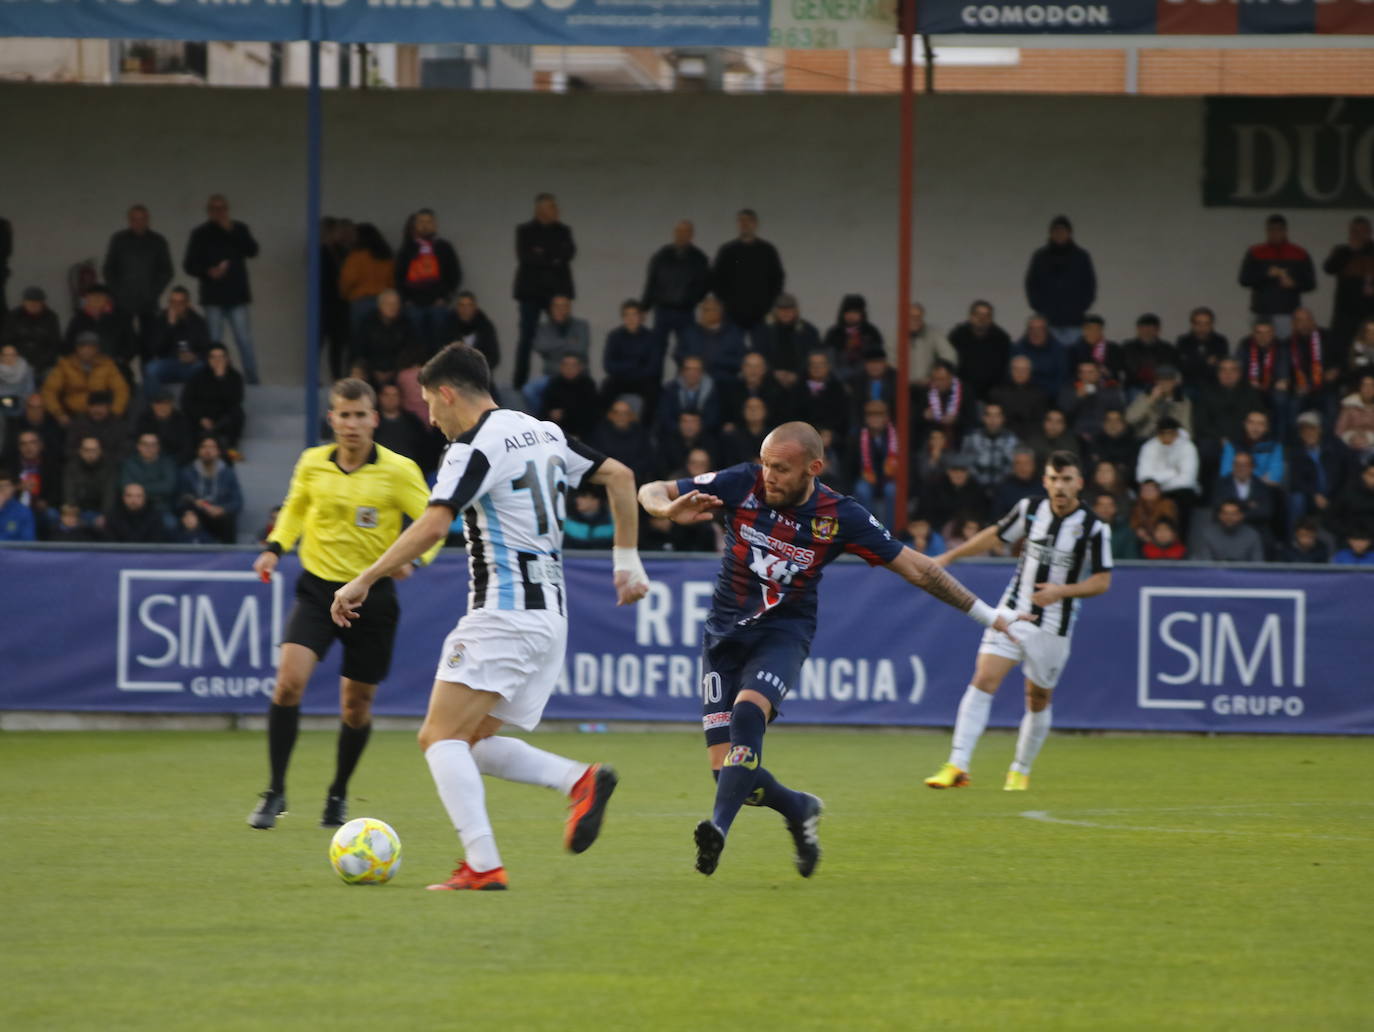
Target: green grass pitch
<point>1180,883</point>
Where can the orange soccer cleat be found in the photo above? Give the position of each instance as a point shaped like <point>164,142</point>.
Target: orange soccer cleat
<point>589,798</point>
<point>464,877</point>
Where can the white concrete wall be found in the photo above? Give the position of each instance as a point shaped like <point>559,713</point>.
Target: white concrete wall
<point>820,170</point>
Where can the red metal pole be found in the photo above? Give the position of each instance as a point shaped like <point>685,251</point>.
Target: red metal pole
<point>905,189</point>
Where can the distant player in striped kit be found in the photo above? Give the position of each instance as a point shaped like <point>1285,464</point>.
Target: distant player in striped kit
<point>1067,556</point>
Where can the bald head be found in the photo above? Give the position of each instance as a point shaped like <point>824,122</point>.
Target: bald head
<point>803,435</point>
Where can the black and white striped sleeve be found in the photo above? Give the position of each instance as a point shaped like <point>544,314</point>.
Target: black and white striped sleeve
<point>1101,547</point>
<point>582,462</point>
<point>462,477</point>
<point>1012,527</point>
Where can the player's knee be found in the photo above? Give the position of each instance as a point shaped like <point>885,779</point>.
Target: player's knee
<point>288,692</point>
<point>426,738</point>
<point>986,683</point>
<point>356,710</point>
<point>1037,699</point>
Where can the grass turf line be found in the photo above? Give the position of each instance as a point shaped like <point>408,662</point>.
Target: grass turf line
<point>1224,884</point>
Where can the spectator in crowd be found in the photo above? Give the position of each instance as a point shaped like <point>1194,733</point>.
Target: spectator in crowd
<point>559,334</point>
<point>468,324</point>
<point>874,461</point>
<point>790,339</point>
<point>621,436</point>
<point>1357,550</point>
<point>1093,346</point>
<point>1267,452</point>
<point>984,350</point>
<point>570,398</point>
<point>217,255</point>
<point>1149,508</point>
<point>931,457</point>
<point>1200,350</point>
<point>100,421</point>
<point>853,336</point>
<point>716,342</point>
<point>678,278</point>
<point>88,482</point>
<point>1114,443</point>
<point>71,527</point>
<point>1107,476</point>
<point>948,404</point>
<point>39,473</point>
<point>1145,353</point>
<point>132,520</point>
<point>67,390</point>
<point>210,486</point>
<point>369,268</point>
<point>748,276</point>
<point>692,390</point>
<point>190,531</point>
<point>1163,542</point>
<point>399,430</point>
<point>1278,272</point>
<point>1361,358</point>
<point>427,274</point>
<point>176,344</point>
<point>921,536</point>
<point>1053,436</point>
<point>34,329</point>
<point>1228,538</point>
<point>874,380</point>
<point>632,359</point>
<point>1164,397</point>
<point>16,518</point>
<point>337,237</point>
<point>990,447</point>
<point>1061,285</point>
<point>1317,469</point>
<point>1022,482</point>
<point>926,346</point>
<point>588,524</point>
<point>1170,459</point>
<point>171,426</point>
<point>1257,500</point>
<point>754,382</point>
<point>1049,362</point>
<point>1086,402</point>
<point>1314,368</point>
<point>153,471</point>
<point>744,441</point>
<point>1266,366</point>
<point>137,268</point>
<point>687,433</point>
<point>36,417</point>
<point>16,382</point>
<point>213,399</point>
<point>1306,546</point>
<point>1125,544</point>
<point>1023,403</point>
<point>1354,507</point>
<point>383,336</point>
<point>1352,263</point>
<point>1223,406</point>
<point>953,496</point>
<point>1355,426</point>
<point>544,252</point>
<point>825,403</point>
<point>98,314</point>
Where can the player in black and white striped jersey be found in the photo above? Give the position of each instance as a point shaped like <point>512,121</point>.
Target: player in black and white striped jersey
<point>1067,557</point>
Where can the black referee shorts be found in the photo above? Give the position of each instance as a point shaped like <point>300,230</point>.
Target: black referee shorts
<point>367,643</point>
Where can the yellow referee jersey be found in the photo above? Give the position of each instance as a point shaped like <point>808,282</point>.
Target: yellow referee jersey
<point>345,521</point>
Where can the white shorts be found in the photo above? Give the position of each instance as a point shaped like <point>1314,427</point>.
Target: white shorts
<point>1042,654</point>
<point>518,654</point>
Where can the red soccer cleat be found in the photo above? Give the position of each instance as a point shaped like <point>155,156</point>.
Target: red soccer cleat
<point>464,877</point>
<point>589,798</point>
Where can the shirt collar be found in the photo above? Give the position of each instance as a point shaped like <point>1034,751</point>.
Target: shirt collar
<point>467,438</point>
<point>334,458</point>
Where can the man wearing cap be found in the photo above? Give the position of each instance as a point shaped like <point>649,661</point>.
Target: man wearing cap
<point>99,315</point>
<point>1060,283</point>
<point>1317,469</point>
<point>874,380</point>
<point>1145,353</point>
<point>34,329</point>
<point>1165,398</point>
<point>679,276</point>
<point>101,422</point>
<point>1278,272</point>
<point>67,390</point>
<point>789,340</point>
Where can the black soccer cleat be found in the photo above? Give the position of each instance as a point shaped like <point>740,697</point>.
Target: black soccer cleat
<point>710,844</point>
<point>804,837</point>
<point>265,815</point>
<point>335,812</point>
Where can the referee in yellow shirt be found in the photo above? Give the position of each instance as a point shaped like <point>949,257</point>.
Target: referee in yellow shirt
<point>345,506</point>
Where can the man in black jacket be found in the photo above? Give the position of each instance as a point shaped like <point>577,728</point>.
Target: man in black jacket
<point>1060,282</point>
<point>176,344</point>
<point>679,277</point>
<point>748,276</point>
<point>1278,272</point>
<point>137,269</point>
<point>469,324</point>
<point>213,400</point>
<point>34,329</point>
<point>790,340</point>
<point>1317,470</point>
<point>1201,349</point>
<point>217,255</point>
<point>544,251</point>
<point>427,273</point>
<point>1352,263</point>
<point>983,348</point>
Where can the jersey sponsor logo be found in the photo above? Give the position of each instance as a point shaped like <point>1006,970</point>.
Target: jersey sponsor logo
<point>366,517</point>
<point>703,478</point>
<point>803,556</point>
<point>878,523</point>
<point>1047,555</point>
<point>715,720</point>
<point>772,568</point>
<point>780,518</point>
<point>824,528</point>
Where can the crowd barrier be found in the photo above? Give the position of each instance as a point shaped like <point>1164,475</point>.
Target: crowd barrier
<point>1169,648</point>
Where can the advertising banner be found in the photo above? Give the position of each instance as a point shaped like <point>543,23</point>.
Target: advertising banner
<point>1168,648</point>
<point>1144,17</point>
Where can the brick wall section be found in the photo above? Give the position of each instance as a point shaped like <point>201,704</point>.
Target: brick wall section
<point>1178,72</point>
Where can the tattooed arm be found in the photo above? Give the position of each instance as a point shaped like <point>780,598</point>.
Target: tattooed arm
<point>933,579</point>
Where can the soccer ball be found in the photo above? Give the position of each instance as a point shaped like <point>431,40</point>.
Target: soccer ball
<point>365,851</point>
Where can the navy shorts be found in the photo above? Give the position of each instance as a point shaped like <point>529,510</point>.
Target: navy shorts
<point>770,664</point>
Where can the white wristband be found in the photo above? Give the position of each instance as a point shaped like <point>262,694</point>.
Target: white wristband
<point>982,613</point>
<point>627,560</point>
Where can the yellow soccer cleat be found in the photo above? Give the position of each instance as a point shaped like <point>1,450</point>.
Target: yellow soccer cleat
<point>1016,782</point>
<point>948,776</point>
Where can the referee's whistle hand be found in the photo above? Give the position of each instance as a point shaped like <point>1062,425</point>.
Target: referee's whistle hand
<point>265,565</point>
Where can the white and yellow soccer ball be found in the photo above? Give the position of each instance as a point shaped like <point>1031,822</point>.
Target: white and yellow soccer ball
<point>366,851</point>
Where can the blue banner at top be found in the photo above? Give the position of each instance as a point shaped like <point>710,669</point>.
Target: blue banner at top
<point>1145,17</point>
<point>640,23</point>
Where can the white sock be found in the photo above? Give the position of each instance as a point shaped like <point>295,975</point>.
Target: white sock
<point>465,798</point>
<point>974,708</point>
<point>514,759</point>
<point>1035,728</point>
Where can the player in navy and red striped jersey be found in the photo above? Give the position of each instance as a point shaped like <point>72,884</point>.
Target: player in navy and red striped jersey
<point>782,525</point>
